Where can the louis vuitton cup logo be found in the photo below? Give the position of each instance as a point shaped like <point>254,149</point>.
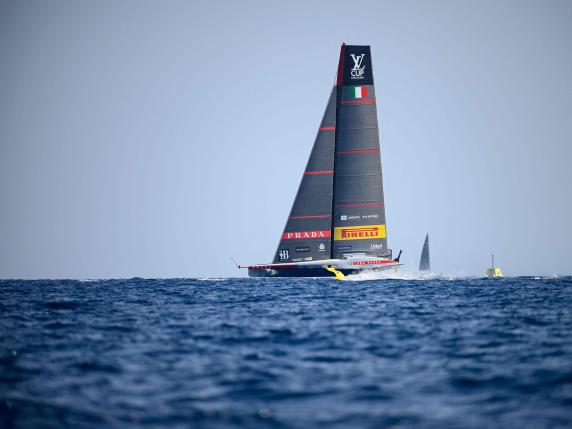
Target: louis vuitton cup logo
<point>357,71</point>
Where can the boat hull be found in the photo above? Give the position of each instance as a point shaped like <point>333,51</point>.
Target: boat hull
<point>305,272</point>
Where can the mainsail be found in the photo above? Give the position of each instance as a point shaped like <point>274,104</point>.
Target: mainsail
<point>308,230</point>
<point>358,206</point>
<point>424,262</point>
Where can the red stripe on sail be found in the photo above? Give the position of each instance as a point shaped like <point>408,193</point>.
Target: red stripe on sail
<point>327,128</point>
<point>320,172</point>
<point>358,151</point>
<point>311,217</point>
<point>360,205</point>
<point>359,101</point>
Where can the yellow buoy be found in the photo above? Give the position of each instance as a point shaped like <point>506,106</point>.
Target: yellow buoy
<point>494,271</point>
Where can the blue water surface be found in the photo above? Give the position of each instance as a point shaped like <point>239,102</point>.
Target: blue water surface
<point>286,353</point>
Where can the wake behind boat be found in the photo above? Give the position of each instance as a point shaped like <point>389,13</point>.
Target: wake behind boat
<point>337,222</point>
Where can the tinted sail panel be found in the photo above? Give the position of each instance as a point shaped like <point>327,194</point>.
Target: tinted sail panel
<point>424,263</point>
<point>307,234</point>
<point>358,206</point>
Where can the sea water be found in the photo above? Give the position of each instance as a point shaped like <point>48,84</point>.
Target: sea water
<point>286,353</point>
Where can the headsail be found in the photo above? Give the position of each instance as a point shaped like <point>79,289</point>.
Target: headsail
<point>358,205</point>
<point>308,230</point>
<point>424,262</point>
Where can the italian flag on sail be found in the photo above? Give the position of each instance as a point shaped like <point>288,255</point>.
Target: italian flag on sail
<point>357,91</point>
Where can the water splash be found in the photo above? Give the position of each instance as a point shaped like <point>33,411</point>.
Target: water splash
<point>397,274</point>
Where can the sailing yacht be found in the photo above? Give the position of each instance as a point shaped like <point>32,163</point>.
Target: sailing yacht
<point>424,261</point>
<point>337,222</point>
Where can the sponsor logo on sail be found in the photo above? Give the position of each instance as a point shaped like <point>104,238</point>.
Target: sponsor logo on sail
<point>302,249</point>
<point>349,217</point>
<point>309,258</point>
<point>306,235</point>
<point>343,248</point>
<point>375,246</point>
<point>283,254</point>
<point>364,232</point>
<point>357,71</point>
<point>322,247</point>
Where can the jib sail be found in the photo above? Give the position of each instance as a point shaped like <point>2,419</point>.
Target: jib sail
<point>358,224</point>
<point>424,262</point>
<point>308,231</point>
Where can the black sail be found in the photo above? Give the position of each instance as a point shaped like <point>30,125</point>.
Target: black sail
<point>424,262</point>
<point>307,234</point>
<point>358,224</point>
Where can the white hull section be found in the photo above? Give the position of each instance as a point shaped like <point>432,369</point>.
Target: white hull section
<point>353,263</point>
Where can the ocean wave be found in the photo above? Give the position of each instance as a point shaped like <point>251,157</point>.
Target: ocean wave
<point>414,350</point>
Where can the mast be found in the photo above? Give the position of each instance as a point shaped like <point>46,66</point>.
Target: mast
<point>358,224</point>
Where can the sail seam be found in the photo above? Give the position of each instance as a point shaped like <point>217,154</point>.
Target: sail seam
<point>367,100</point>
<point>358,128</point>
<point>359,175</point>
<point>311,195</point>
<point>356,151</point>
<point>341,206</point>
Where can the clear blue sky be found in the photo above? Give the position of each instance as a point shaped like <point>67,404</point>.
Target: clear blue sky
<point>157,139</point>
